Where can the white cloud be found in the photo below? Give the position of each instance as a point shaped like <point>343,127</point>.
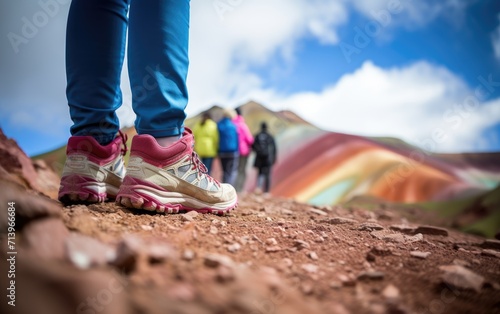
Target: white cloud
<point>425,105</point>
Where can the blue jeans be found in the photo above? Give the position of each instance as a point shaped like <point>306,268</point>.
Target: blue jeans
<point>207,161</point>
<point>157,63</point>
<point>229,163</point>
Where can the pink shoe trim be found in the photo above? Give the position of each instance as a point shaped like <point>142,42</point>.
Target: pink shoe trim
<point>146,147</point>
<point>89,147</point>
<point>76,188</point>
<point>129,197</point>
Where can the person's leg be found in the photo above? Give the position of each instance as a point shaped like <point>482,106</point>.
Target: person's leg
<point>241,177</point>
<point>95,47</point>
<point>233,169</point>
<point>260,179</point>
<point>267,178</point>
<point>161,177</point>
<point>158,65</point>
<point>226,171</point>
<point>207,161</point>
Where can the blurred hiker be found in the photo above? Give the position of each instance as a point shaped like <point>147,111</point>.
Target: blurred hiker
<point>164,174</point>
<point>265,157</point>
<point>245,141</point>
<point>206,140</point>
<point>228,147</point>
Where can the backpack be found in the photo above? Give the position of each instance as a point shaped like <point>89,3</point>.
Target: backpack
<point>261,145</point>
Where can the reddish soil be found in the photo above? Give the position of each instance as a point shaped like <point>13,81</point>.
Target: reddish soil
<point>275,256</point>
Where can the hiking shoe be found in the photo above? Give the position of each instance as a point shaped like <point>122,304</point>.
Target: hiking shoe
<point>171,179</point>
<point>92,173</point>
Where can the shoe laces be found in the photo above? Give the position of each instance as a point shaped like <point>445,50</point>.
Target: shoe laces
<point>198,165</point>
<point>124,138</point>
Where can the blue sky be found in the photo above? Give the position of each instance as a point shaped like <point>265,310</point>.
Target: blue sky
<point>416,79</point>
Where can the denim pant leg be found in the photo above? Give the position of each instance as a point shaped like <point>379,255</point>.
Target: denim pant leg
<point>207,161</point>
<point>233,168</point>
<point>95,48</point>
<point>158,64</point>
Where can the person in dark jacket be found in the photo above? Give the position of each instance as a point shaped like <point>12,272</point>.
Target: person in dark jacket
<point>264,147</point>
<point>228,147</point>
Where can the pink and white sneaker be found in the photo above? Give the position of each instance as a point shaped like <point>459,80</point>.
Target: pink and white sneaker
<point>92,173</point>
<point>171,179</point>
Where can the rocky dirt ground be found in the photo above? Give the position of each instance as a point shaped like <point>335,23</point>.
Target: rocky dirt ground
<point>270,255</point>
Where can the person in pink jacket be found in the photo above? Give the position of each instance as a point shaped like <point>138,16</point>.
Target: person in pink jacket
<point>245,139</point>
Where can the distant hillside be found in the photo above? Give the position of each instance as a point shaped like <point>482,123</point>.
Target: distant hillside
<point>323,167</point>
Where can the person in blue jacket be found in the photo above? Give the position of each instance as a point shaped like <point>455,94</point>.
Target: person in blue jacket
<point>228,147</point>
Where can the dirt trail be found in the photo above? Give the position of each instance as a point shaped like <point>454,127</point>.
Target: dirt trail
<point>270,255</point>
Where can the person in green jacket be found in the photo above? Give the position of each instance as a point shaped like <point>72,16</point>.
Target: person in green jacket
<point>206,138</point>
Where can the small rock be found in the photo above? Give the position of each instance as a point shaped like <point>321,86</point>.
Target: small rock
<point>491,244</point>
<point>491,253</point>
<point>146,227</point>
<point>214,230</point>
<point>391,293</point>
<point>346,280</point>
<point>431,230</point>
<point>271,241</point>
<point>381,251</point>
<point>371,275</point>
<point>299,244</point>
<point>370,257</point>
<point>214,260</point>
<point>186,217</point>
<point>313,256</point>
<point>218,223</point>
<point>335,285</point>
<point>394,238</point>
<point>287,262</point>
<point>319,239</point>
<point>235,247</point>
<point>188,255</point>
<point>310,268</point>
<point>272,249</point>
<point>403,229</point>
<point>307,288</point>
<point>340,221</point>
<point>461,262</point>
<point>133,249</point>
<point>461,278</point>
<point>192,213</point>
<point>370,226</point>
<point>416,238</point>
<point>85,252</point>
<point>418,254</point>
<point>317,211</point>
<point>225,274</point>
